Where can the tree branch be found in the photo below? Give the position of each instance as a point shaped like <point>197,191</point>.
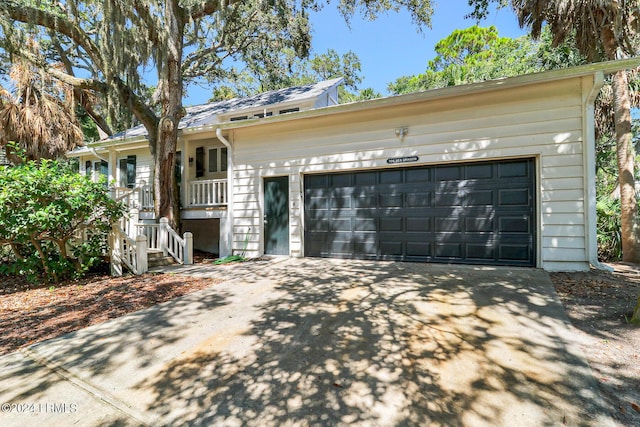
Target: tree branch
<point>26,14</point>
<point>208,7</point>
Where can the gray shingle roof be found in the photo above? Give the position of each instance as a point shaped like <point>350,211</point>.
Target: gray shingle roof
<point>204,114</point>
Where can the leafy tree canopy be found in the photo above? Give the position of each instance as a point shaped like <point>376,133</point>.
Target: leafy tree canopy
<point>471,55</point>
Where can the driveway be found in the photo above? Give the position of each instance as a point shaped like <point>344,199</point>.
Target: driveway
<point>319,342</point>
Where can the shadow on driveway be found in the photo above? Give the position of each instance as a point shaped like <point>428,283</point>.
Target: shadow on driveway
<point>330,342</point>
<point>369,343</point>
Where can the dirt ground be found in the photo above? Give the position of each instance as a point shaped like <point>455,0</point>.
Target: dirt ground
<point>596,302</point>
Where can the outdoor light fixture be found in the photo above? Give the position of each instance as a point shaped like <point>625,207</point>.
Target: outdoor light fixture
<point>190,161</point>
<point>401,132</point>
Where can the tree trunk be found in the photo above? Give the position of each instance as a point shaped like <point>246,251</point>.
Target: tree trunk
<point>625,155</point>
<point>165,187</point>
<point>626,162</point>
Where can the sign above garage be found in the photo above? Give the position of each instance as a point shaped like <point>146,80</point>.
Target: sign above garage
<point>396,160</point>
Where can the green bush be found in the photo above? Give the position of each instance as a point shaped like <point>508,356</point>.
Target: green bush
<point>609,238</point>
<point>54,221</point>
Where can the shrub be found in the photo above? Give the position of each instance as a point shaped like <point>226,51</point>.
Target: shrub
<point>54,220</point>
<point>608,223</point>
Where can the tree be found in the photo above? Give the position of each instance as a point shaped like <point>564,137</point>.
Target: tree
<point>39,115</point>
<point>602,30</point>
<point>295,71</point>
<point>118,43</point>
<point>470,55</point>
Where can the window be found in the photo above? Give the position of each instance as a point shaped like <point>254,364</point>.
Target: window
<point>102,169</point>
<point>127,168</point>
<point>218,159</point>
<point>235,119</point>
<point>87,168</point>
<point>199,162</point>
<point>223,159</point>
<point>262,115</point>
<point>213,160</point>
<point>289,110</point>
<point>178,167</point>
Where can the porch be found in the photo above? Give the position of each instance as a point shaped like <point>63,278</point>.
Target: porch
<point>207,193</point>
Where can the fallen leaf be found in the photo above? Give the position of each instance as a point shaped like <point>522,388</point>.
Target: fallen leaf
<point>635,407</point>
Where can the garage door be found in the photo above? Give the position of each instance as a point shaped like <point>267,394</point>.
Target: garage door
<point>475,213</point>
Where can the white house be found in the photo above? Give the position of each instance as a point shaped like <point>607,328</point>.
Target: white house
<point>500,172</point>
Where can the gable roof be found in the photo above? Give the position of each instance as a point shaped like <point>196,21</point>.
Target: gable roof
<point>206,114</point>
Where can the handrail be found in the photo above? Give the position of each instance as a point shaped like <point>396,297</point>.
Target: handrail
<point>175,245</point>
<point>162,237</point>
<point>151,231</point>
<point>125,250</point>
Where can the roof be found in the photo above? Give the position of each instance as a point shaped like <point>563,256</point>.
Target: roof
<point>205,114</point>
<point>607,67</point>
<point>202,118</point>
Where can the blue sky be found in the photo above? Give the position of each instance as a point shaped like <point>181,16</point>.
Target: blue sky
<point>391,46</point>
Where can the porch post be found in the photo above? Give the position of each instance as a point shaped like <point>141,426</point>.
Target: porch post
<point>163,235</point>
<point>188,248</point>
<point>142,263</point>
<point>113,168</point>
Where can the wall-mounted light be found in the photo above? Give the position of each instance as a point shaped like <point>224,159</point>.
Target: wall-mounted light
<point>190,161</point>
<point>401,132</point>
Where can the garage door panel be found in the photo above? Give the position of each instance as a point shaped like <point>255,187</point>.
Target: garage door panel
<point>467,213</point>
<point>419,175</point>
<point>482,252</point>
<point>390,200</point>
<point>515,252</point>
<point>365,224</point>
<point>511,225</point>
<point>452,199</point>
<point>391,177</point>
<point>515,197</point>
<point>391,224</point>
<point>481,198</point>
<point>393,248</point>
<point>418,199</point>
<point>480,171</point>
<point>448,225</point>
<point>448,250</point>
<point>419,224</point>
<point>479,225</point>
<point>513,169</point>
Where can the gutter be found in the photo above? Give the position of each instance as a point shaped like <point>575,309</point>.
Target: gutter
<point>229,226</point>
<point>588,122</point>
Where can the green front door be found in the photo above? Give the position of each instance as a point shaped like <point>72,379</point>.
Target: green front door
<point>276,215</point>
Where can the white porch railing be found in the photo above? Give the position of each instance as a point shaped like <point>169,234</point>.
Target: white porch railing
<point>211,192</point>
<point>133,253</point>
<point>125,250</point>
<point>134,198</point>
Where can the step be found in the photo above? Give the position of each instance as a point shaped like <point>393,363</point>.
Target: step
<point>157,259</point>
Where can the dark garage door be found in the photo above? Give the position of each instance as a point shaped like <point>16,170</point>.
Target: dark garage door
<point>474,213</point>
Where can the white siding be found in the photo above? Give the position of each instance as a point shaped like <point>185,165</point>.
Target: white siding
<point>542,120</point>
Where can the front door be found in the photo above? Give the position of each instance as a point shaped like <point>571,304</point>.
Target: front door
<point>276,215</point>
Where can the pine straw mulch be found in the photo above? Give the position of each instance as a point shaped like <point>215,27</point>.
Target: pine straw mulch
<point>598,304</point>
<point>33,313</point>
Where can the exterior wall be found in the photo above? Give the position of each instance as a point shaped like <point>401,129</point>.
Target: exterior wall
<point>543,120</point>
<point>206,234</point>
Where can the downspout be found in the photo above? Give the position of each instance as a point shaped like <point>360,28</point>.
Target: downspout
<point>95,153</point>
<point>229,225</point>
<point>588,123</point>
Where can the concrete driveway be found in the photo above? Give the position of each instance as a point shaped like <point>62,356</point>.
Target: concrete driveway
<point>319,342</point>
